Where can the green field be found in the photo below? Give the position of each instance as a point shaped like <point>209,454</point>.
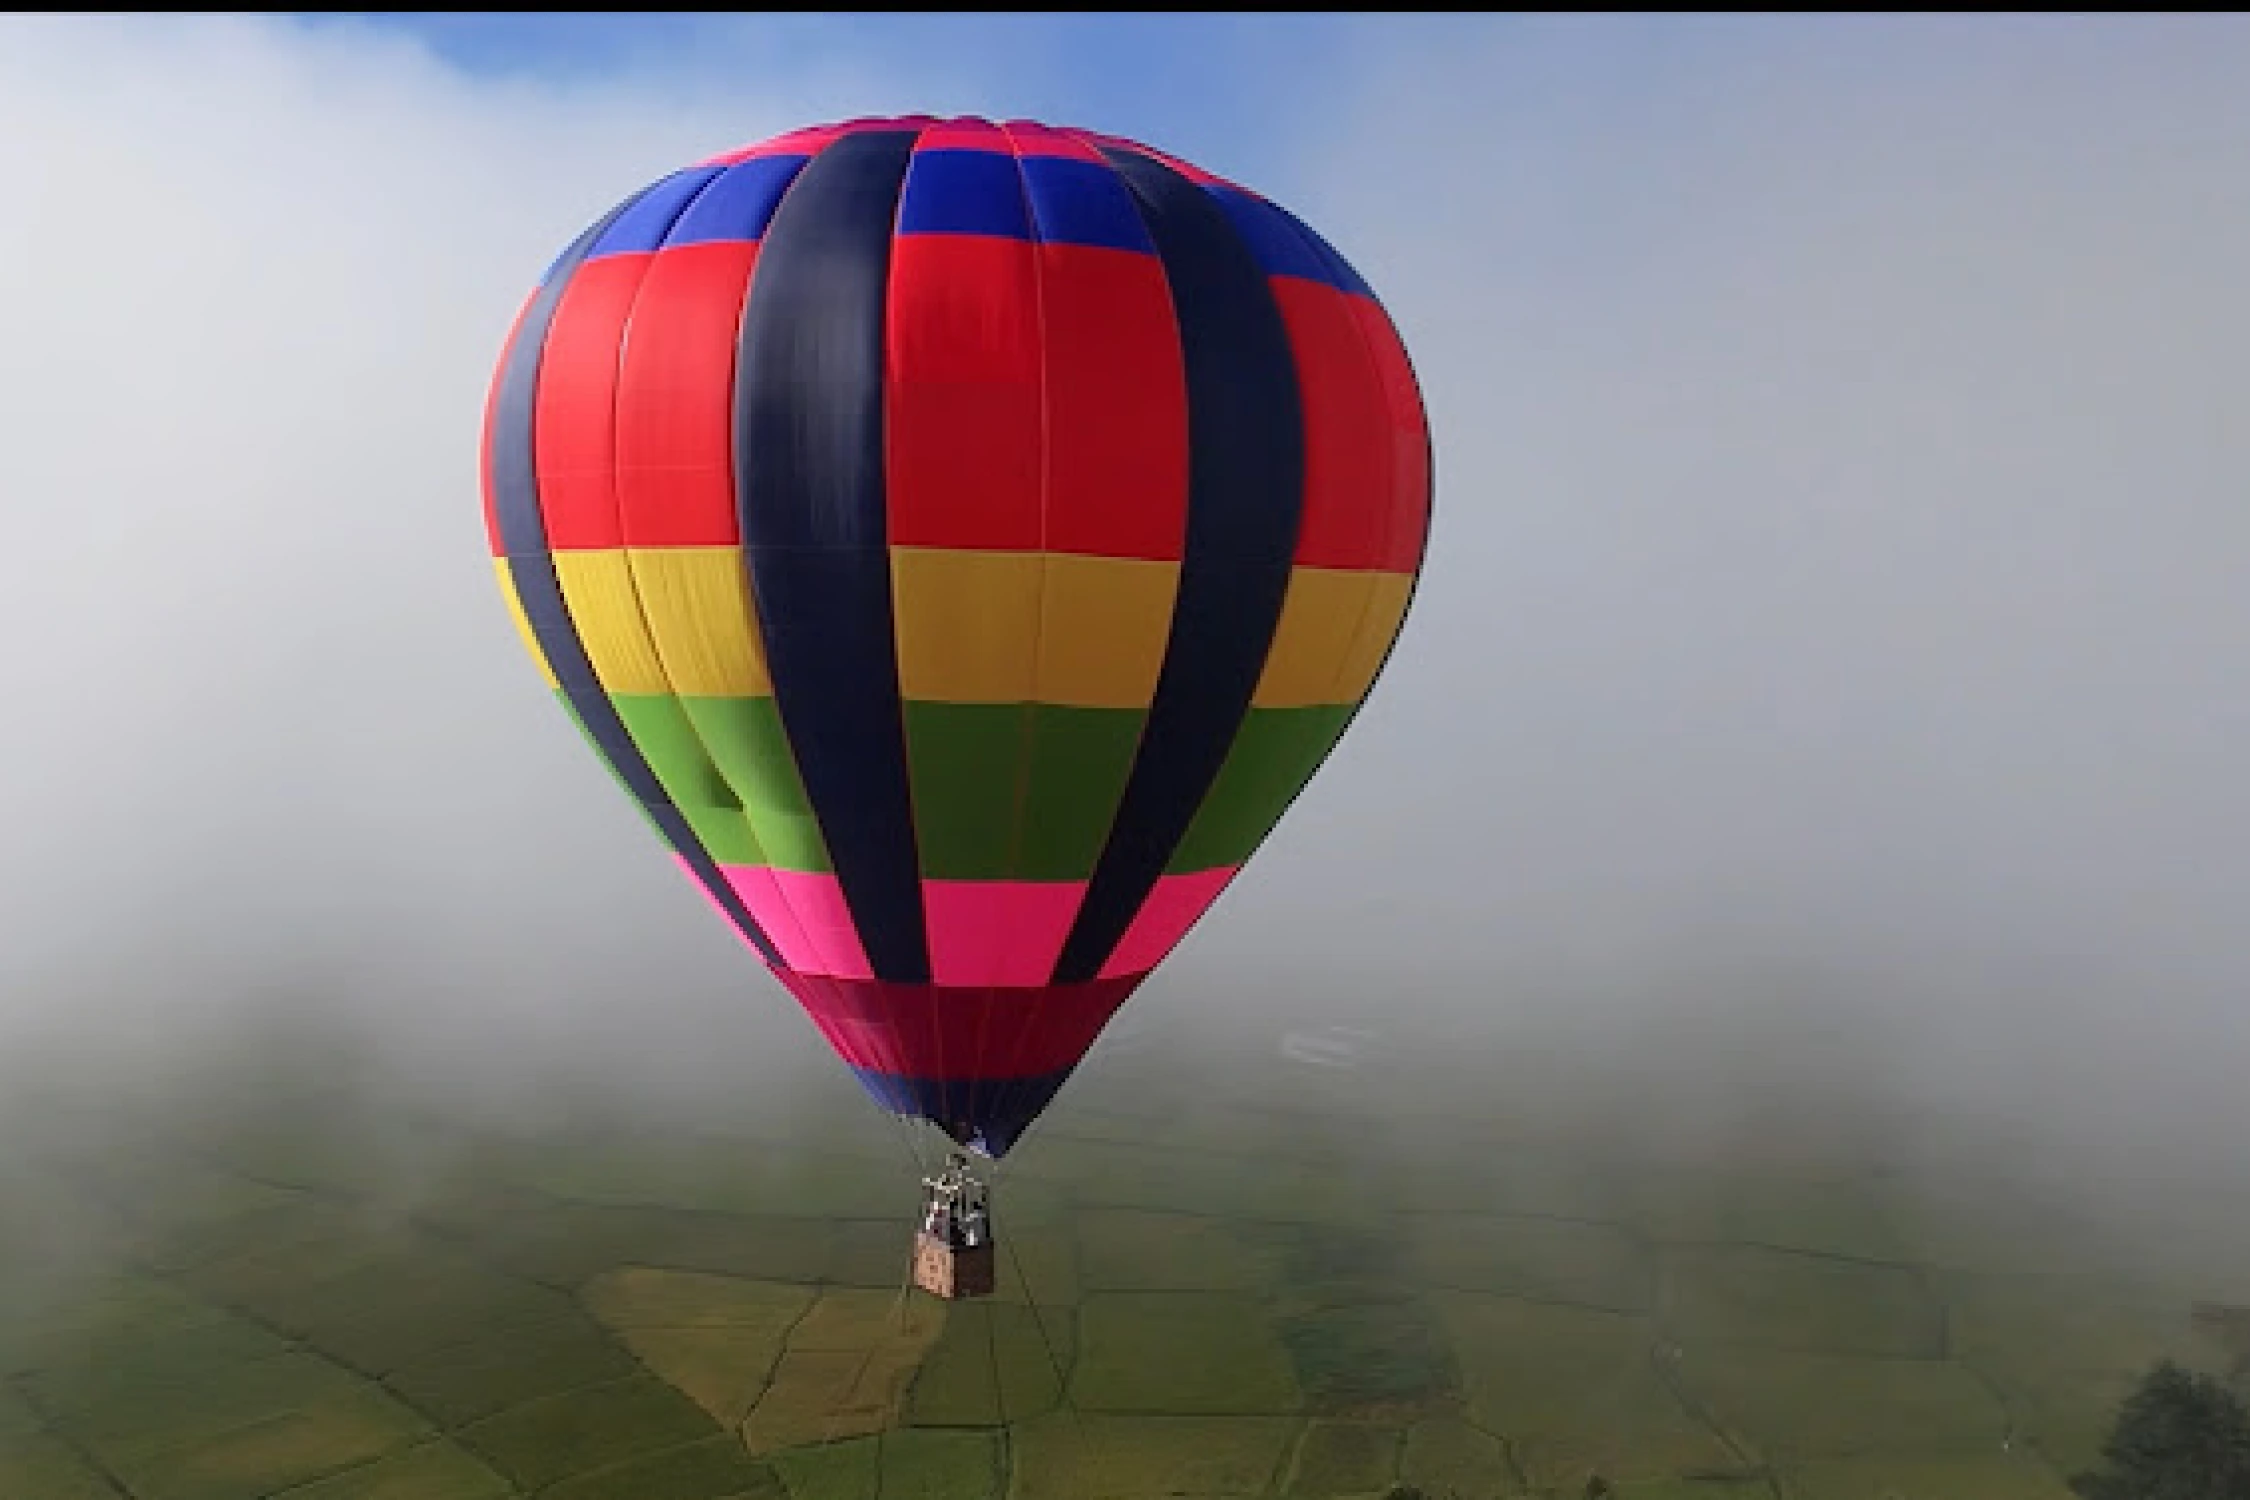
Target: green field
<point>1230,1276</point>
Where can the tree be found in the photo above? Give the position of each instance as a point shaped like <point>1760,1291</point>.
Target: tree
<point>2179,1436</point>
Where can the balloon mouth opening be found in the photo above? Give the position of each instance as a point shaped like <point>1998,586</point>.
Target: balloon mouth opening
<point>971,1137</point>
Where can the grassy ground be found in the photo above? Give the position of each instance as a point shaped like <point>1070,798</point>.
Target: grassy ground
<point>1208,1294</point>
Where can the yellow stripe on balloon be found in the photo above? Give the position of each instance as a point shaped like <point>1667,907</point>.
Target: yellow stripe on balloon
<point>1103,626</point>
<point>605,610</point>
<point>967,624</point>
<point>696,604</point>
<point>1378,628</point>
<point>1336,624</point>
<point>1043,627</point>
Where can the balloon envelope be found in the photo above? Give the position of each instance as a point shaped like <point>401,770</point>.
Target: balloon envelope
<point>962,541</point>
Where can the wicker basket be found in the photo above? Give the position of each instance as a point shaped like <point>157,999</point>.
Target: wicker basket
<point>948,1271</point>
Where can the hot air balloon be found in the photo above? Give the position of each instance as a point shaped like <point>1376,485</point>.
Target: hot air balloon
<point>963,541</point>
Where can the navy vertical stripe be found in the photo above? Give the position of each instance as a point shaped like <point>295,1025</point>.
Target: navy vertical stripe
<point>1246,484</point>
<point>809,485</point>
<point>1013,1104</point>
<point>523,534</point>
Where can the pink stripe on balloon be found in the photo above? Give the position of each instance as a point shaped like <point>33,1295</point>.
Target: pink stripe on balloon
<point>806,917</point>
<point>814,138</point>
<point>1030,138</point>
<point>1164,918</point>
<point>780,935</point>
<point>998,932</point>
<point>753,884</point>
<point>964,133</point>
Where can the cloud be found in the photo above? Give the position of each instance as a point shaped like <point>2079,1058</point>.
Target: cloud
<point>1840,562</point>
<point>1836,607</point>
<point>274,738</point>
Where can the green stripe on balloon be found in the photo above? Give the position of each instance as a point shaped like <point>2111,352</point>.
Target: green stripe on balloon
<point>1275,752</point>
<point>725,762</point>
<point>1013,791</point>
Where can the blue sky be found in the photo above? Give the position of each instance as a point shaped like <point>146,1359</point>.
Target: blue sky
<point>1227,85</point>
